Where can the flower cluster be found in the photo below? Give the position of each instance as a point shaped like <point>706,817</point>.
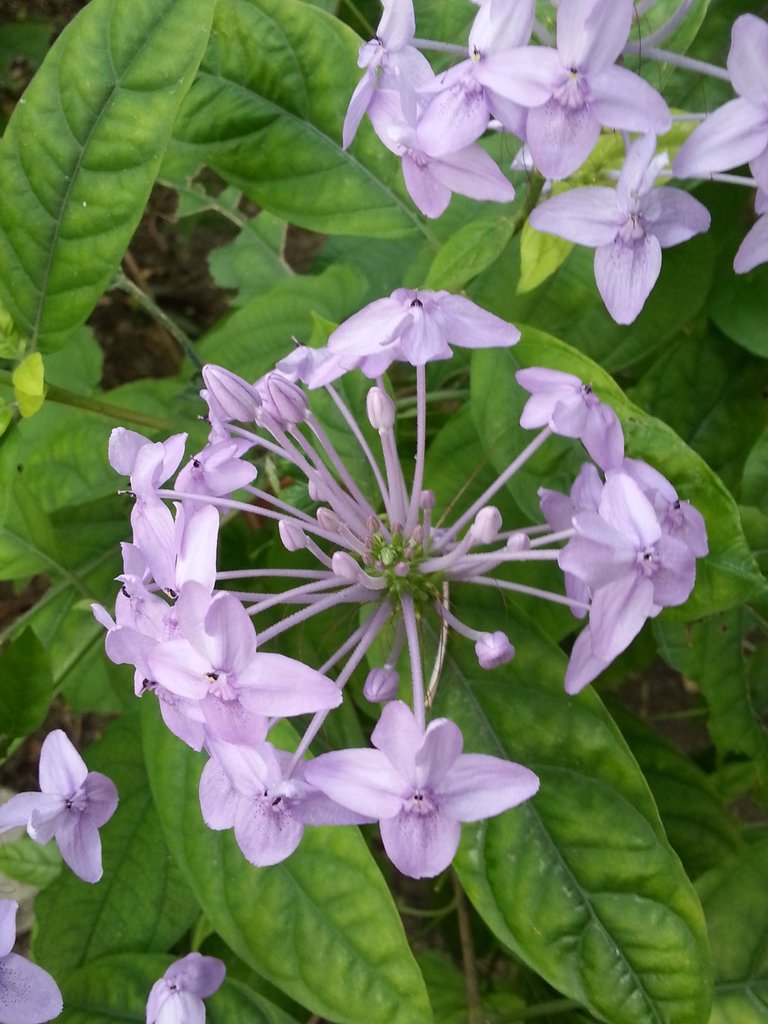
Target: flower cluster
<point>556,95</point>
<point>206,648</point>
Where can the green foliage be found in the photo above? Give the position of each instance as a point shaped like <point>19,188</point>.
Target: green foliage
<point>27,685</point>
<point>322,899</point>
<point>100,109</point>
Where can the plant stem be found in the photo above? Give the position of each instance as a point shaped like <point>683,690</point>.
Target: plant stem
<point>94,405</point>
<point>468,958</point>
<point>150,306</point>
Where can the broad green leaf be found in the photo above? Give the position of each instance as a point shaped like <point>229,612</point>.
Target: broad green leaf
<point>711,653</point>
<point>727,576</point>
<point>142,903</point>
<point>321,926</point>
<point>754,482</point>
<point>266,113</point>
<point>700,829</point>
<point>470,251</point>
<point>29,384</point>
<point>580,881</point>
<point>115,988</point>
<point>81,151</point>
<point>251,340</point>
<point>735,900</point>
<point>27,685</point>
<point>540,257</point>
<point>723,415</point>
<point>739,307</point>
<point>30,863</point>
<point>254,261</point>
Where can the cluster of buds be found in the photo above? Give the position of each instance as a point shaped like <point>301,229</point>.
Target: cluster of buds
<point>197,640</point>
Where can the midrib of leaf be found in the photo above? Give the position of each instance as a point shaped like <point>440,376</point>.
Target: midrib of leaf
<point>327,140</point>
<point>42,290</point>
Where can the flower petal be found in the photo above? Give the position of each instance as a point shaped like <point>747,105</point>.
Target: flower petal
<point>733,135</point>
<point>420,845</point>
<point>28,994</point>
<point>362,780</point>
<point>673,216</point>
<point>80,844</point>
<point>625,274</point>
<point>619,611</point>
<point>748,57</point>
<point>621,99</point>
<point>754,249</point>
<point>587,216</point>
<point>478,786</point>
<point>592,33</point>
<point>560,138</point>
<point>62,770</point>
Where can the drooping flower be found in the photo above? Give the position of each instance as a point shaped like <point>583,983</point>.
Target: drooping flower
<point>72,806</point>
<point>177,998</point>
<point>28,994</point>
<point>421,787</point>
<point>628,226</point>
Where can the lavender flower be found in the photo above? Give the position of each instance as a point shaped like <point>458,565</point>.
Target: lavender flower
<point>72,806</point>
<point>177,998</point>
<point>628,226</point>
<point>420,786</point>
<point>28,994</point>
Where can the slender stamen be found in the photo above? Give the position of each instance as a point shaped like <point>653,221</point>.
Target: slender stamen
<point>438,47</point>
<point>355,594</point>
<point>366,449</point>
<point>521,588</point>
<point>661,33</point>
<point>336,461</point>
<point>552,538</point>
<point>395,478</point>
<point>421,445</point>
<point>287,596</point>
<point>701,67</point>
<point>414,654</point>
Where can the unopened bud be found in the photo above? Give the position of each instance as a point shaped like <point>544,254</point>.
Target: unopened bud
<point>401,570</point>
<point>283,400</point>
<point>381,684</point>
<point>381,409</point>
<point>346,567</point>
<point>494,649</point>
<point>292,535</point>
<point>487,524</point>
<point>427,500</point>
<point>518,542</point>
<point>230,397</point>
<point>328,520</point>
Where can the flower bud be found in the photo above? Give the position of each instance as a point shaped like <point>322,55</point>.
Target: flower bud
<point>229,397</point>
<point>494,649</point>
<point>283,400</point>
<point>381,684</point>
<point>328,520</point>
<point>518,542</point>
<point>381,409</point>
<point>346,567</point>
<point>292,535</point>
<point>427,500</point>
<point>487,524</point>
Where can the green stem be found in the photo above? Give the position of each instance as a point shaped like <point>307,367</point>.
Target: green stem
<point>150,306</point>
<point>542,1010</point>
<point>94,405</point>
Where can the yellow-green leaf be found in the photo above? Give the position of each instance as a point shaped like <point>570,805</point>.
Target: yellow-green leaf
<point>29,384</point>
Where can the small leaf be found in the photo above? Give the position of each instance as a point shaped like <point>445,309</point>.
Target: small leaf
<point>30,863</point>
<point>469,251</point>
<point>143,902</point>
<point>540,256</point>
<point>29,384</point>
<point>27,685</point>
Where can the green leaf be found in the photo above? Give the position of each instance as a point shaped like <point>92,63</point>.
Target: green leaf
<point>254,261</point>
<point>580,881</point>
<point>321,926</point>
<point>29,384</point>
<point>540,256</point>
<point>143,902</point>
<point>115,988</point>
<point>81,151</point>
<point>739,307</point>
<point>754,482</point>
<point>727,576</point>
<point>30,863</point>
<point>266,113</point>
<point>27,685</point>
<point>735,900</point>
<point>699,827</point>
<point>711,653</point>
<point>469,251</point>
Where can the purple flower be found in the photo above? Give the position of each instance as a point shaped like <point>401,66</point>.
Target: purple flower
<point>177,998</point>
<point>628,226</point>
<point>417,326</point>
<point>28,994</point>
<point>737,132</point>
<point>573,90</point>
<point>421,787</point>
<point>72,806</point>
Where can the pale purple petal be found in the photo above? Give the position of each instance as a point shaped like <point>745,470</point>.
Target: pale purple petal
<point>674,578</point>
<point>230,638</point>
<point>501,25</point>
<point>748,57</point>
<point>734,134</point>
<point>362,780</point>
<point>625,273</point>
<point>621,99</point>
<point>673,216</point>
<point>124,446</point>
<point>583,665</point>
<point>624,506</point>
<point>429,195</point>
<point>197,974</point>
<point>47,818</point>
<point>398,24</point>
<point>454,118</point>
<point>17,811</point>
<point>560,138</point>
<point>441,747</point>
<point>183,718</point>
<point>528,75</point>
<point>399,737</point>
<point>229,720</point>
<point>472,172</point>
<point>587,216</point>
<point>358,105</point>
<point>8,910</point>
<point>754,249</point>
<point>62,770</point>
<point>28,994</point>
<point>273,682</point>
<point>420,845</point>
<point>471,326</point>
<point>178,667</point>
<point>478,786</point>
<point>217,797</point>
<point>603,437</point>
<point>619,611</point>
<point>80,844</point>
<point>265,832</point>
<point>198,535</point>
<point>592,33</point>
<point>101,795</point>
